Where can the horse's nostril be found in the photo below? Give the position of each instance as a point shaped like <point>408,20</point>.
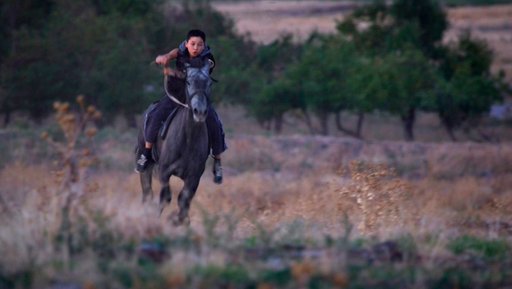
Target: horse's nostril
<point>199,111</point>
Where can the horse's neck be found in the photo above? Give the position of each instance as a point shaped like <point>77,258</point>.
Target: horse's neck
<point>191,129</point>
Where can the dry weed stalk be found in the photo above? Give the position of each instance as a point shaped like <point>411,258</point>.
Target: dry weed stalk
<point>76,155</point>
<point>378,194</point>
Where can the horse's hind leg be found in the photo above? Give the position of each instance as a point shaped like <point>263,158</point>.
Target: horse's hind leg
<point>184,199</point>
<point>145,182</point>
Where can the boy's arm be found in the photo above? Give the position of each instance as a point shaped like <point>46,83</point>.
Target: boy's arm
<point>164,59</point>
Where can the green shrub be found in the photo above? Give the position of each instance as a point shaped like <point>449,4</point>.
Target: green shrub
<point>486,248</point>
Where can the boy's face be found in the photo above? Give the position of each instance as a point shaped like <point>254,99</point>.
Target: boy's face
<point>195,45</point>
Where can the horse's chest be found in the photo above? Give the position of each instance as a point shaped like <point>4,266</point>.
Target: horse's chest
<point>189,164</point>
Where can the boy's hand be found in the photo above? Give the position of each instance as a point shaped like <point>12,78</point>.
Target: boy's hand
<point>172,72</point>
<point>162,59</point>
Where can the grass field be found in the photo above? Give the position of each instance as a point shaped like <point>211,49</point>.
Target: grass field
<point>295,211</point>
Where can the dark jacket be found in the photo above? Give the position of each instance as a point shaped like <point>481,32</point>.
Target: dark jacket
<point>176,85</point>
<point>183,56</point>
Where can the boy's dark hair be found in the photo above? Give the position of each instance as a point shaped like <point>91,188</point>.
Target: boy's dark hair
<point>196,33</point>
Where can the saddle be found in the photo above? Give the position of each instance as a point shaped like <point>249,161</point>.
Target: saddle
<point>162,132</point>
<point>163,129</point>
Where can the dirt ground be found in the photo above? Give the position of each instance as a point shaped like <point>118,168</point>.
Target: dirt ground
<point>266,20</point>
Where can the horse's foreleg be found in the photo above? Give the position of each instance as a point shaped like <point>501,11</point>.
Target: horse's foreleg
<point>165,191</point>
<point>145,181</point>
<point>184,199</point>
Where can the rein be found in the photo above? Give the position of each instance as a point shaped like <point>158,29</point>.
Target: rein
<point>172,96</point>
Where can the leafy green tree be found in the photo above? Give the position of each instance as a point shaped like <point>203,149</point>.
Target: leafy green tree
<point>394,39</point>
<point>109,58</point>
<point>65,57</point>
<point>277,93</point>
<point>420,23</point>
<point>332,77</point>
<point>275,100</point>
<point>468,89</point>
<point>427,15</point>
<point>379,29</point>
<point>16,15</point>
<point>375,38</point>
<point>129,8</point>
<point>399,83</point>
<point>238,75</point>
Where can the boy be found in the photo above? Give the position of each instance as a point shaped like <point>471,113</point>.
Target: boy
<point>193,48</point>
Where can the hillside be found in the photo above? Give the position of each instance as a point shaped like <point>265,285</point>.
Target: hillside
<point>266,20</point>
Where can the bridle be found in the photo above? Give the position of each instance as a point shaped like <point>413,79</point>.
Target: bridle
<point>172,97</point>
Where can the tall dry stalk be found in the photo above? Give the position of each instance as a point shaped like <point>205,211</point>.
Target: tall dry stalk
<point>76,156</point>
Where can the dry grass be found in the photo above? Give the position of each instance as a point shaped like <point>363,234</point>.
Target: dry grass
<point>274,180</point>
<point>294,192</point>
<point>280,189</point>
<point>267,20</point>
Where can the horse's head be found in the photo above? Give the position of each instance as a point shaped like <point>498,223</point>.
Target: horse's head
<point>198,89</point>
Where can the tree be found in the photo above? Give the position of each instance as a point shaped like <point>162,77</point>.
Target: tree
<point>108,59</point>
<point>322,76</point>
<point>396,46</point>
<point>275,100</point>
<point>65,57</point>
<point>15,15</point>
<point>468,89</point>
<point>277,92</point>
<point>420,23</point>
<point>399,83</point>
<point>427,15</point>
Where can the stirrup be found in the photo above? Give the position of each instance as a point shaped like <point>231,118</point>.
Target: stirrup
<point>142,163</point>
<point>217,171</point>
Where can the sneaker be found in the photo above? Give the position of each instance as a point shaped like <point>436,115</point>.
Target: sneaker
<point>217,171</point>
<point>143,163</point>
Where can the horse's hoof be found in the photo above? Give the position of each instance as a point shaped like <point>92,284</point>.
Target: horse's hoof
<point>161,208</point>
<point>177,220</point>
<point>217,180</point>
<point>147,198</point>
<point>149,208</point>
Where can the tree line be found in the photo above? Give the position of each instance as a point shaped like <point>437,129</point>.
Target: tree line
<point>388,58</point>
<point>384,57</point>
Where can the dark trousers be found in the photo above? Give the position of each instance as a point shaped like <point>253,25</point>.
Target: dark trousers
<point>159,111</point>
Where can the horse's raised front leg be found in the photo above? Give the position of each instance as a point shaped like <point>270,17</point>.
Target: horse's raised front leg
<point>184,199</point>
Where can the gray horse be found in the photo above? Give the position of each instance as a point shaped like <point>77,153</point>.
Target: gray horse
<point>184,150</point>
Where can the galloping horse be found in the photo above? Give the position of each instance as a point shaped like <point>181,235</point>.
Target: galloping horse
<point>184,150</point>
